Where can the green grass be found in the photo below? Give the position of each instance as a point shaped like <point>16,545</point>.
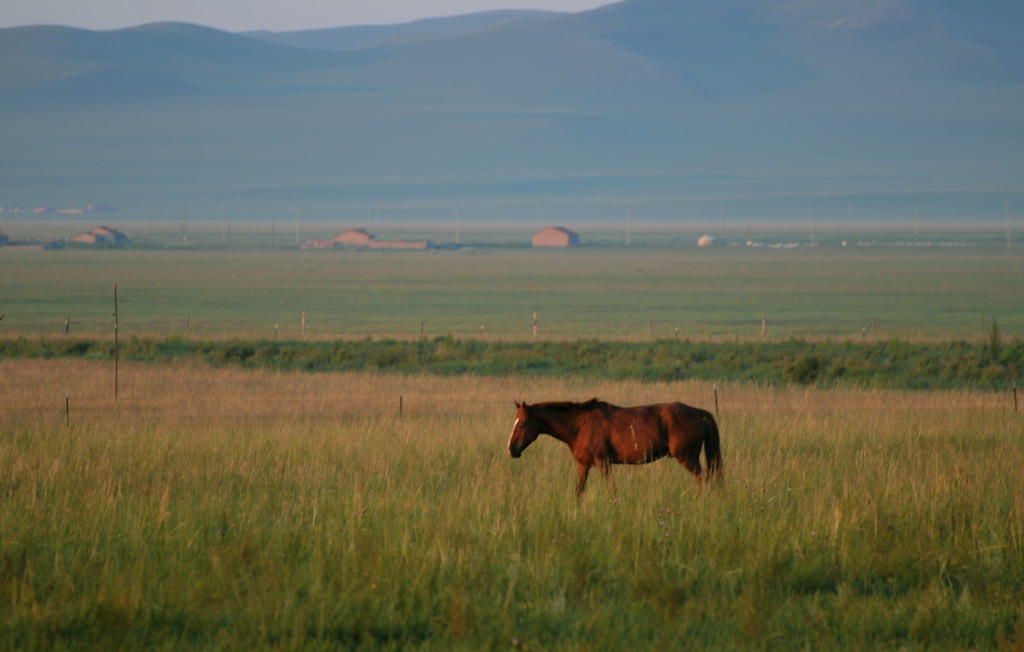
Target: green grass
<point>225,509</point>
<point>992,366</point>
<point>598,291</point>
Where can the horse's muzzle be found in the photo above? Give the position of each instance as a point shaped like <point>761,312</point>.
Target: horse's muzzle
<point>514,452</point>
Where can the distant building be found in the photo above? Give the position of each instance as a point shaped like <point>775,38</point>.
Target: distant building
<point>354,237</point>
<point>555,236</point>
<point>707,241</point>
<point>360,238</point>
<point>100,235</point>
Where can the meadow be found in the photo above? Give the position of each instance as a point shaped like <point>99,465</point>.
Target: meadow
<point>668,288</point>
<point>229,508</point>
<point>288,498</point>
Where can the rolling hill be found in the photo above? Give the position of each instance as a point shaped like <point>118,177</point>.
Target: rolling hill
<point>360,36</point>
<point>671,108</point>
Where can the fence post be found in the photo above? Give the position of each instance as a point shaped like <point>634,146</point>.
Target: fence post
<point>716,400</point>
<point>116,352</point>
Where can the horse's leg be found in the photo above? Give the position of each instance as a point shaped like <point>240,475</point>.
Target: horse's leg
<point>691,460</point>
<point>581,478</point>
<point>606,471</point>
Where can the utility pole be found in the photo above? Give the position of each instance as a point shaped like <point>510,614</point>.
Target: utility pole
<point>811,220</point>
<point>1009,225</point>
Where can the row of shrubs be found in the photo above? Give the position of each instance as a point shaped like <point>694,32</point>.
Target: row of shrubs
<point>889,365</point>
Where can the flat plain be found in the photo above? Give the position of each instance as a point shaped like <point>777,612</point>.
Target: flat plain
<point>226,508</point>
<point>600,291</point>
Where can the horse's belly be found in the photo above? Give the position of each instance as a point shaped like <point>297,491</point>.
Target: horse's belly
<point>640,454</point>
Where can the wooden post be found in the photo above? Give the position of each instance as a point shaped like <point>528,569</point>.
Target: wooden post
<point>716,400</point>
<point>67,325</point>
<point>67,409</point>
<point>401,401</point>
<point>275,332</point>
<point>302,327</point>
<point>535,323</point>
<point>1015,396</point>
<point>116,352</point>
<point>764,325</point>
<point>422,326</point>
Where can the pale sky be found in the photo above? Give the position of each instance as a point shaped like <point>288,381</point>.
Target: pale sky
<point>242,15</point>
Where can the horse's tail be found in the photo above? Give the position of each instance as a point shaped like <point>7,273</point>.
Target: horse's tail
<point>712,447</point>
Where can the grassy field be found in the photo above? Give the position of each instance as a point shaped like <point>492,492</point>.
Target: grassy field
<point>227,509</point>
<point>602,291</point>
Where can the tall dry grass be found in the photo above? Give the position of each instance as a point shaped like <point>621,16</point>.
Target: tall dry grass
<point>225,508</point>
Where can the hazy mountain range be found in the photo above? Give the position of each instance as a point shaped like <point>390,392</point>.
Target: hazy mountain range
<point>668,108</point>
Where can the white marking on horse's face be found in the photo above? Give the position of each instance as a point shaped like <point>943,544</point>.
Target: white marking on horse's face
<point>514,425</point>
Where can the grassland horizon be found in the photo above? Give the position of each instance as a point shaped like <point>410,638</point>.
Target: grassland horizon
<point>639,292</point>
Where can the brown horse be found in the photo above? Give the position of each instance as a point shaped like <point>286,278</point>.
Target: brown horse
<point>601,434</point>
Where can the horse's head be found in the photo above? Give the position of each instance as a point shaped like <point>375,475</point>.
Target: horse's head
<point>524,430</point>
